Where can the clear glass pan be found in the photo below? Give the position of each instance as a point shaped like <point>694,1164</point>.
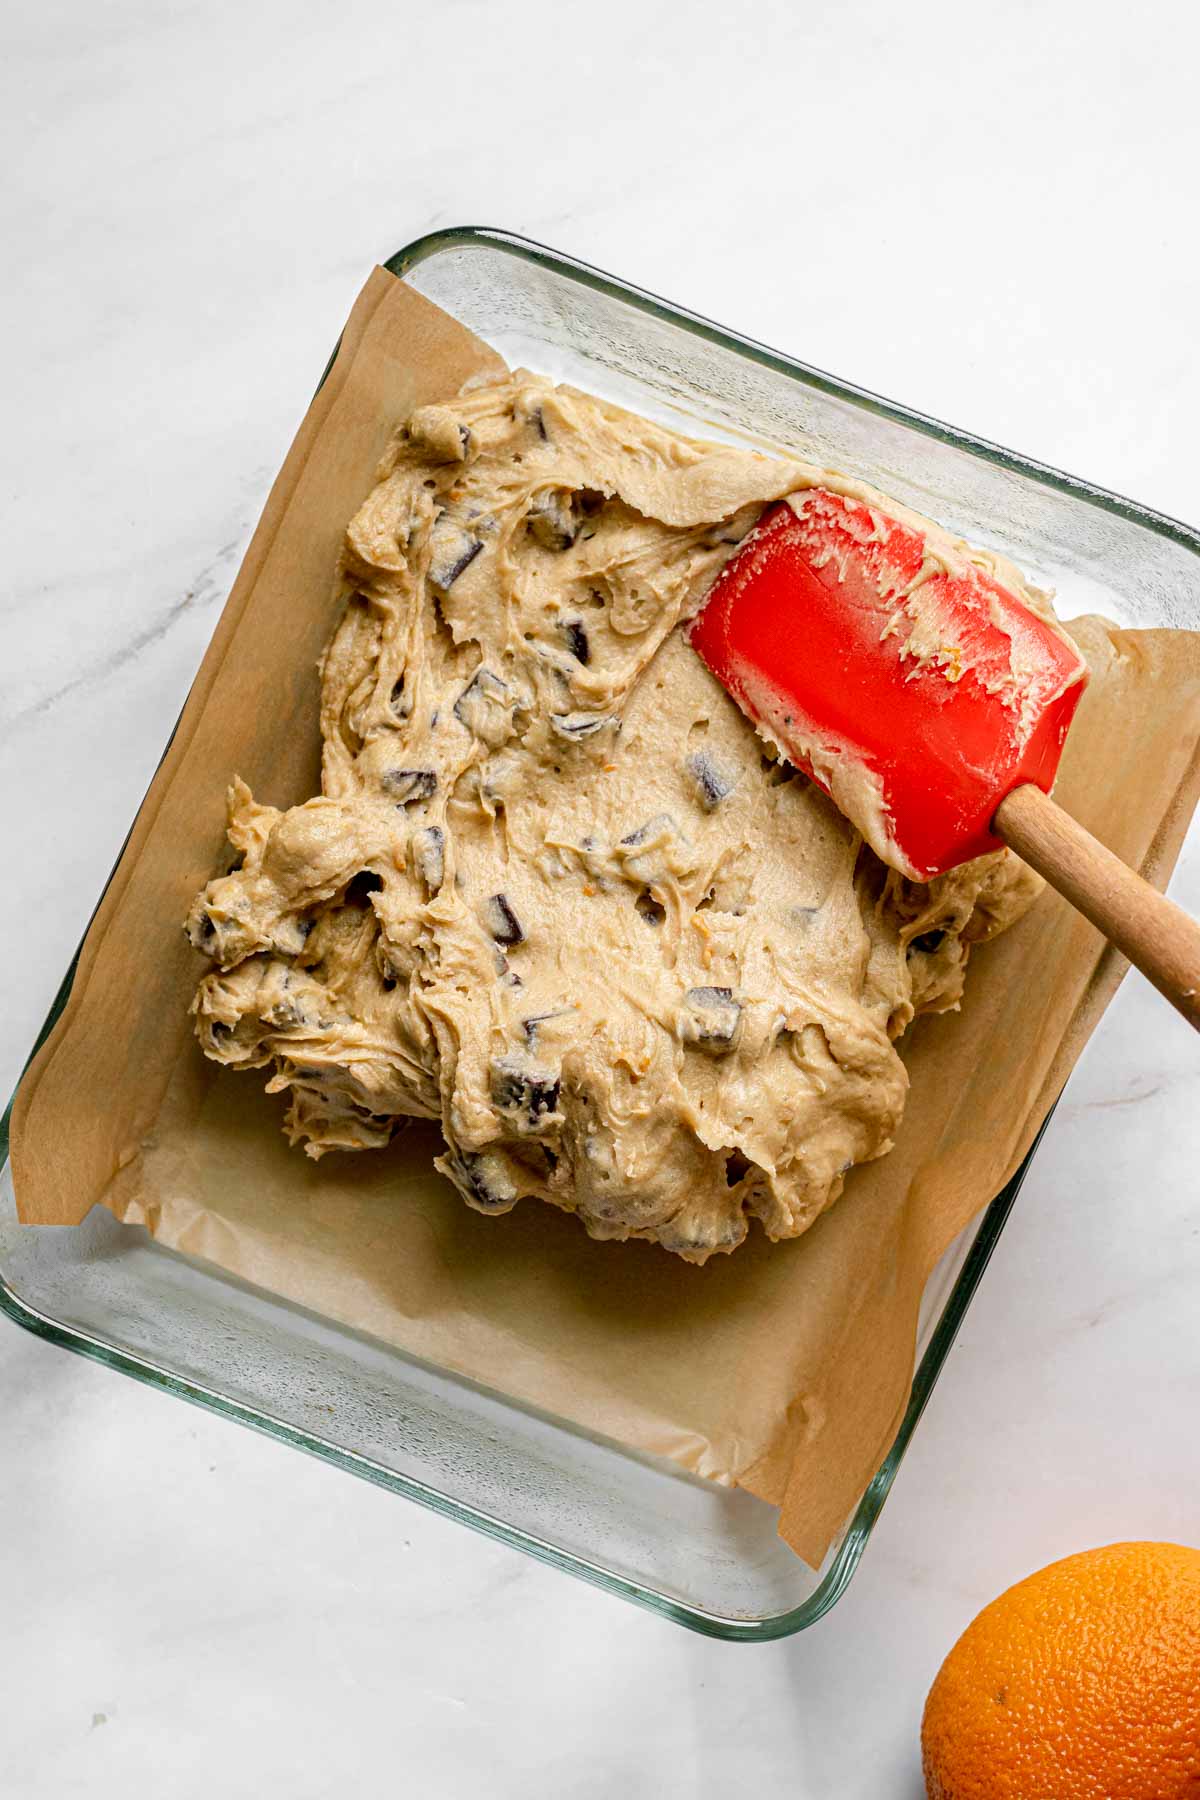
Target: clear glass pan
<point>703,1556</point>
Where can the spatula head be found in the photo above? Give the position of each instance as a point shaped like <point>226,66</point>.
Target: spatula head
<point>903,676</point>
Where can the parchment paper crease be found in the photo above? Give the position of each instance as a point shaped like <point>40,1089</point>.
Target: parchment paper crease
<point>783,1368</point>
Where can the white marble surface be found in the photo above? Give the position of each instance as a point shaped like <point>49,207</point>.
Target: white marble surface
<point>986,214</point>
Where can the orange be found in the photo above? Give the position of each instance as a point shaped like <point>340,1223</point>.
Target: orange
<point>1080,1683</point>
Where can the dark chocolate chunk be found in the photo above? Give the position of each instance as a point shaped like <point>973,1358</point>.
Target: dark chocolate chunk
<point>502,921</point>
<point>577,641</point>
<point>712,784</point>
<point>291,934</point>
<point>574,726</point>
<point>481,1179</point>
<point>453,550</point>
<point>486,706</point>
<point>650,909</point>
<point>929,941</point>
<point>206,931</point>
<point>364,883</point>
<point>396,699</point>
<point>530,1026</point>
<point>711,1018</point>
<point>660,822</point>
<point>406,786</point>
<point>551,519</point>
<point>483,683</point>
<point>429,855</point>
<point>285,1015</point>
<point>442,437</point>
<point>525,1092</point>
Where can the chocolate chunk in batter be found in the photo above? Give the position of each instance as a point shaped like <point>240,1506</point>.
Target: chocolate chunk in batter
<point>527,1093</point>
<point>429,855</point>
<point>578,725</point>
<point>577,641</point>
<point>453,551</point>
<point>711,783</point>
<point>552,519</point>
<point>486,707</point>
<point>710,1018</point>
<point>502,921</point>
<point>406,786</point>
<point>483,1180</point>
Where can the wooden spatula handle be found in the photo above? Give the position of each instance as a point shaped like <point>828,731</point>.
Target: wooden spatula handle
<point>1157,936</point>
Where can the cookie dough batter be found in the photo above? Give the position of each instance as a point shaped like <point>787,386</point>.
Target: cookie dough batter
<point>555,892</point>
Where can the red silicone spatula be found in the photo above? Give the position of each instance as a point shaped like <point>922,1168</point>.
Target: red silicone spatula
<point>930,702</point>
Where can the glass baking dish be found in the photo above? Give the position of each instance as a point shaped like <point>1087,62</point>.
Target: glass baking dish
<point>705,1556</point>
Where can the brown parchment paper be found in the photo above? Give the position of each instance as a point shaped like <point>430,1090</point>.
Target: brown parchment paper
<point>784,1368</point>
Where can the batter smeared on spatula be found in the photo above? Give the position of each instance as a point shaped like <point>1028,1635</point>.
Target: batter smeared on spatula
<point>556,893</point>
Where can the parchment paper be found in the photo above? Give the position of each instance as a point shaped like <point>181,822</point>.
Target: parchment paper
<point>784,1368</point>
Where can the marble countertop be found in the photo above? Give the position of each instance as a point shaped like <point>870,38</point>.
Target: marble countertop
<point>933,211</point>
